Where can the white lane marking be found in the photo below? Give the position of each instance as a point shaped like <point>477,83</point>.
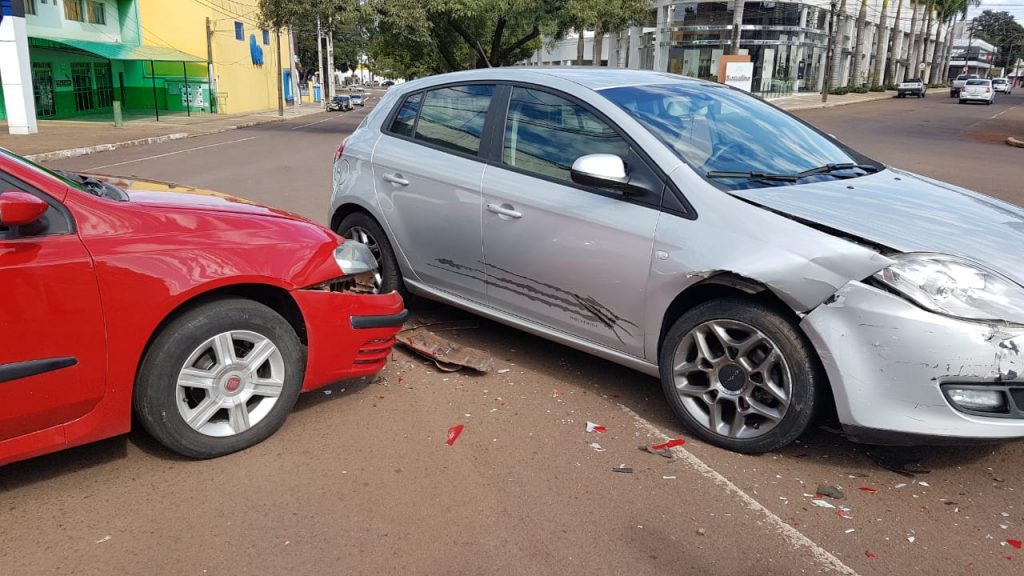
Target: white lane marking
<point>1003,112</point>
<point>790,534</point>
<point>314,123</point>
<point>169,154</point>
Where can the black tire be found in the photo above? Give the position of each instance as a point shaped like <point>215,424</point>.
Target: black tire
<point>391,274</point>
<point>804,370</point>
<point>155,397</point>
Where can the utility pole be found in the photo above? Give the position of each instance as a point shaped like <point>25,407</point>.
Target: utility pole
<point>827,84</point>
<point>280,74</point>
<point>209,66</point>
<point>296,96</point>
<point>330,56</point>
<point>320,61</point>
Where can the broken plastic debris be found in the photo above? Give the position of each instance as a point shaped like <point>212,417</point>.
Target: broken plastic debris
<point>591,427</point>
<point>556,394</point>
<point>845,512</point>
<point>327,392</point>
<point>597,447</point>
<point>911,539</point>
<point>871,555</point>
<point>448,355</point>
<point>925,484</point>
<point>901,485</point>
<point>822,504</point>
<point>105,538</point>
<point>1015,543</point>
<point>670,444</point>
<point>701,531</point>
<point>850,530</point>
<point>503,371</point>
<point>668,477</point>
<point>453,433</point>
<point>623,469</point>
<point>833,492</point>
<point>868,489</point>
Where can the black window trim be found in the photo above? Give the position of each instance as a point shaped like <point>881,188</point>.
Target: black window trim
<point>385,127</point>
<point>497,153</point>
<point>10,183</point>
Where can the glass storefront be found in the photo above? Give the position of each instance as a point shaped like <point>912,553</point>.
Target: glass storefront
<point>785,41</point>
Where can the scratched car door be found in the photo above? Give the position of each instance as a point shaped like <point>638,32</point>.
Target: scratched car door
<point>559,254</point>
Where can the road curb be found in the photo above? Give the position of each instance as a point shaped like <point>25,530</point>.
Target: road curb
<point>1017,142</point>
<point>818,105</point>
<point>85,150</point>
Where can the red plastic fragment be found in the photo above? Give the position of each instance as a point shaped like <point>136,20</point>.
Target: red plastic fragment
<point>871,555</point>
<point>1014,543</point>
<point>453,433</point>
<point>669,444</point>
<point>868,490</point>
<point>556,394</point>
<point>615,395</point>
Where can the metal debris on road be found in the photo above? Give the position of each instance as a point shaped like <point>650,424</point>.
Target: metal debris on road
<point>591,427</point>
<point>833,492</point>
<point>447,355</point>
<point>453,433</point>
<point>623,469</point>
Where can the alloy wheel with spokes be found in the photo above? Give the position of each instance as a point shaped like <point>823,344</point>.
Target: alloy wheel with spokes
<point>363,228</point>
<point>364,236</point>
<point>732,378</point>
<point>230,383</point>
<point>219,378</point>
<point>740,374</point>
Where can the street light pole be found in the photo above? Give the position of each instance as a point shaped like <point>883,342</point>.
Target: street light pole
<point>280,76</point>
<point>827,84</point>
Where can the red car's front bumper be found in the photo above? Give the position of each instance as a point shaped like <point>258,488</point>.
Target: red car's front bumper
<point>349,335</point>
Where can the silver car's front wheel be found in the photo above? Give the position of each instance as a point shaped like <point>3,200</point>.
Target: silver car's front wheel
<point>739,374</point>
<point>362,227</point>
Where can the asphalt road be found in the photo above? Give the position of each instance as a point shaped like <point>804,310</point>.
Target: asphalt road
<point>360,479</point>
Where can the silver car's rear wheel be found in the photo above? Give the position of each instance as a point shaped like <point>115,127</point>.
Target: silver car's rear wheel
<point>230,383</point>
<point>740,374</point>
<point>732,379</point>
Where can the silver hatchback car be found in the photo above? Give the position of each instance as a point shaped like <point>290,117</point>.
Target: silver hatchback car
<point>763,270</point>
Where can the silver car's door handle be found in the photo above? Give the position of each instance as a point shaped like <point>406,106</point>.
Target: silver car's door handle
<point>395,178</point>
<point>504,210</point>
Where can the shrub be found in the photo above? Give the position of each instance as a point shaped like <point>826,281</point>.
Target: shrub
<point>860,90</point>
<point>840,91</point>
<point>877,88</point>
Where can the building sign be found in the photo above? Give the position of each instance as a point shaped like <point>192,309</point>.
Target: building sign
<point>62,83</point>
<point>739,75</point>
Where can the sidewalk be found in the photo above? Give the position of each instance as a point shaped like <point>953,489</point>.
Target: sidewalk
<point>69,138</point>
<point>812,100</point>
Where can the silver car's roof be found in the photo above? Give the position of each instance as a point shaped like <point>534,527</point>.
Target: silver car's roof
<point>592,78</point>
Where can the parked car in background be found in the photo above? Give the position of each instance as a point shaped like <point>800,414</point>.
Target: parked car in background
<point>912,87</point>
<point>978,90</point>
<point>358,100</point>
<point>958,84</point>
<point>202,314</point>
<point>762,269</point>
<point>340,102</point>
<point>1002,85</point>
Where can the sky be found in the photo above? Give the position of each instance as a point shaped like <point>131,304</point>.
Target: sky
<point>1015,7</point>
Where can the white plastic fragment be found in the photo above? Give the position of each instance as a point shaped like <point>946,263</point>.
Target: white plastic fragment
<point>822,504</point>
<point>592,427</point>
<point>925,484</point>
<point>668,477</point>
<point>911,539</point>
<point>901,485</point>
<point>597,447</point>
<point>503,371</point>
<point>850,530</point>
<point>102,540</point>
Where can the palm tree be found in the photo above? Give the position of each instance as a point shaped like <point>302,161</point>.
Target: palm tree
<point>837,45</point>
<point>911,38</point>
<point>737,23</point>
<point>895,46</point>
<point>858,44</point>
<point>881,41</point>
<point>953,9</point>
<point>921,56</point>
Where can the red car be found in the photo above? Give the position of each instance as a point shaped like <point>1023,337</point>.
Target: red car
<point>205,315</point>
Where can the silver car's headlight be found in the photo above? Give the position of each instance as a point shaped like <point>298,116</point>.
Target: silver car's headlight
<point>955,287</point>
<point>354,258</point>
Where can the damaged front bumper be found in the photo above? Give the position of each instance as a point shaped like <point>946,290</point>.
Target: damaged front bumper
<point>349,334</point>
<point>889,360</point>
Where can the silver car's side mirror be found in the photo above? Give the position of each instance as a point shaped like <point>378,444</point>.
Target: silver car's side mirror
<point>602,170</point>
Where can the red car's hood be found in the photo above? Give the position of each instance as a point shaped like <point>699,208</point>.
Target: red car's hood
<point>155,193</point>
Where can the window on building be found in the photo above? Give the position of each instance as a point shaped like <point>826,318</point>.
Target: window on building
<point>239,31</point>
<point>30,7</point>
<point>266,37</point>
<point>73,10</point>
<point>545,134</point>
<point>453,118</point>
<point>97,12</point>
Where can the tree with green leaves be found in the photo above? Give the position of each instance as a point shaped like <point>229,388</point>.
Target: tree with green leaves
<point>1001,30</point>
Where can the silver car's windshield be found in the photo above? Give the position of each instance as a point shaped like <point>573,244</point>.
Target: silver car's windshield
<point>735,139</point>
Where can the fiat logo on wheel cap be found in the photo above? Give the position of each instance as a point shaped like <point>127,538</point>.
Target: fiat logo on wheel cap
<point>233,384</point>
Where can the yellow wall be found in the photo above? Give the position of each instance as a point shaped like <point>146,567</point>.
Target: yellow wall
<point>181,24</point>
